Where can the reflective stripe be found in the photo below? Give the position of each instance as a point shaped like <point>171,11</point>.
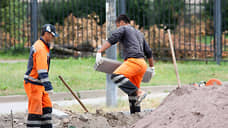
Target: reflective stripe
<point>42,71</point>
<point>132,97</point>
<point>46,122</point>
<point>33,122</point>
<point>137,105</point>
<point>32,79</point>
<point>33,48</point>
<point>125,80</point>
<point>45,80</point>
<point>117,78</point>
<point>48,115</point>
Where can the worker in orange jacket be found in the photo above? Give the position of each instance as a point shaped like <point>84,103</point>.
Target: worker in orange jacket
<point>36,81</point>
<point>129,75</point>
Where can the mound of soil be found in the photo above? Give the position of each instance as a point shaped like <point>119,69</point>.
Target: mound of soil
<point>99,119</point>
<point>190,107</point>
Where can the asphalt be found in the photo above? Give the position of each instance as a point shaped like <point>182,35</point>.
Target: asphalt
<point>85,94</point>
<point>18,103</point>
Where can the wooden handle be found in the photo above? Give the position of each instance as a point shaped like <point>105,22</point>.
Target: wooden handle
<point>73,94</point>
<point>174,59</point>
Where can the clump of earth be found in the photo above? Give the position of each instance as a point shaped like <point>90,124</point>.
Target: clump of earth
<point>100,119</point>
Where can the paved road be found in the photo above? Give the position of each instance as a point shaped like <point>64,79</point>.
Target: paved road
<point>21,106</point>
<point>19,103</point>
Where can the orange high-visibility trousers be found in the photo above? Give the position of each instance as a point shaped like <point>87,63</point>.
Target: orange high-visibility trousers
<point>133,69</point>
<point>38,98</point>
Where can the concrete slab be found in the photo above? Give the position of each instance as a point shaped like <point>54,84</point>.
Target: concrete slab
<point>109,66</point>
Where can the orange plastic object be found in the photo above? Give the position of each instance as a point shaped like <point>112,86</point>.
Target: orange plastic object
<point>213,82</point>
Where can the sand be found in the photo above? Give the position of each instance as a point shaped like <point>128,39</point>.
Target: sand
<point>190,107</point>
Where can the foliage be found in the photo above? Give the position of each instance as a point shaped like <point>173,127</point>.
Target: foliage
<point>209,13</point>
<point>59,10</point>
<point>13,15</point>
<point>4,3</point>
<point>144,12</point>
<point>167,12</point>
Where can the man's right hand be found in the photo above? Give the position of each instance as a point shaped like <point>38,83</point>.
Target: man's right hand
<point>98,58</point>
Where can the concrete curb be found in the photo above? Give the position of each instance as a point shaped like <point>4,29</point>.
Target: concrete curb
<point>60,96</point>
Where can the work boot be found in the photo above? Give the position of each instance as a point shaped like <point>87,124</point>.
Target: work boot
<point>140,97</point>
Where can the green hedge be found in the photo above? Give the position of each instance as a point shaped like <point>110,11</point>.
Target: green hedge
<point>154,12</point>
<point>209,12</point>
<point>12,17</point>
<point>57,11</point>
<point>12,14</point>
<point>157,12</point>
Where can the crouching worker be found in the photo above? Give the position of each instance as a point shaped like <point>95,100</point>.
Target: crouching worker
<point>129,75</point>
<point>36,82</point>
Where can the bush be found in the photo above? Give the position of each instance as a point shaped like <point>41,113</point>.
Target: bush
<point>4,3</point>
<point>59,10</point>
<point>148,12</point>
<point>209,12</point>
<point>12,15</point>
<point>168,12</point>
<point>144,12</point>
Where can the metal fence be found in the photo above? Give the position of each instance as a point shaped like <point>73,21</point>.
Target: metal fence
<point>199,27</point>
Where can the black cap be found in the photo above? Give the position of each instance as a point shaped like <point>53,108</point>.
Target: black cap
<point>50,28</point>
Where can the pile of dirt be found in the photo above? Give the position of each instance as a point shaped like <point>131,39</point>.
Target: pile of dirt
<point>100,119</point>
<point>190,107</point>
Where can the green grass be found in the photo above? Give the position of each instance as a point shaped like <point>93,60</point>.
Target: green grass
<point>80,75</point>
<point>205,39</point>
<point>14,54</point>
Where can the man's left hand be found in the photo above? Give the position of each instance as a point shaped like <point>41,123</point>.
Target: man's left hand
<point>152,69</point>
<point>98,58</point>
<point>50,92</point>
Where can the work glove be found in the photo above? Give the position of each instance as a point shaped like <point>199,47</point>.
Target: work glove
<point>152,69</point>
<point>50,92</point>
<point>98,58</point>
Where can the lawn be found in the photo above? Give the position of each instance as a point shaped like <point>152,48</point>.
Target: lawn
<point>80,75</point>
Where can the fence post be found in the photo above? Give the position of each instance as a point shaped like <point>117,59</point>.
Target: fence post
<point>217,24</point>
<point>111,89</point>
<point>122,6</point>
<point>34,24</point>
<point>122,10</point>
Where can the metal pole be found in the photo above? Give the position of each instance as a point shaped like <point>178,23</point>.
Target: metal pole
<point>34,24</point>
<point>218,30</point>
<point>122,6</point>
<point>122,10</point>
<point>111,89</point>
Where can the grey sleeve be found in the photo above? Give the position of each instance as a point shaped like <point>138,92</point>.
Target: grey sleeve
<point>147,49</point>
<point>116,35</point>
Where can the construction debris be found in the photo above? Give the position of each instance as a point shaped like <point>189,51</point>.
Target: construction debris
<point>75,120</point>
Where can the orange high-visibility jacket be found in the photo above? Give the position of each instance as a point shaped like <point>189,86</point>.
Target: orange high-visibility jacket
<point>38,65</point>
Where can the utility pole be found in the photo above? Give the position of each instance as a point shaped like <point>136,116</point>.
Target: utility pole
<point>218,30</point>
<point>34,17</point>
<point>111,89</point>
<point>121,10</point>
